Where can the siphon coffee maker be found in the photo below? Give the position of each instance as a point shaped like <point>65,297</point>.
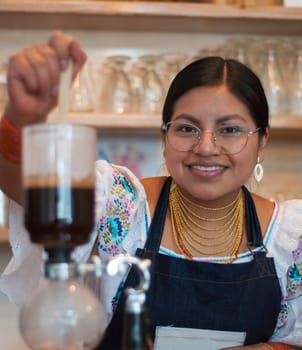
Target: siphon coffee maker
<point>59,215</point>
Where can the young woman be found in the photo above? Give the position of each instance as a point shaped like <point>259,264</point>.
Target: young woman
<point>223,258</point>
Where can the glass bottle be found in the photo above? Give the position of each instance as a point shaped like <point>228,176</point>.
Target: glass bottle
<point>135,327</point>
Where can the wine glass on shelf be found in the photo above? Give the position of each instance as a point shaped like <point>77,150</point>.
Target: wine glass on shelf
<point>237,48</point>
<point>82,97</point>
<point>171,64</point>
<point>116,95</point>
<point>208,51</point>
<point>295,83</point>
<point>152,86</point>
<point>272,79</point>
<point>136,73</point>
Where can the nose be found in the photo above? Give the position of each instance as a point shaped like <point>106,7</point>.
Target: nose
<point>206,144</point>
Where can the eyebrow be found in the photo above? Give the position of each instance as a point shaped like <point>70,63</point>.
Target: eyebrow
<point>222,119</point>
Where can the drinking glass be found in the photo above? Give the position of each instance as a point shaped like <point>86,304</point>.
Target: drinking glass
<point>237,49</point>
<point>295,85</point>
<point>153,89</point>
<point>272,79</point>
<point>82,92</point>
<point>136,73</point>
<point>116,89</point>
<point>58,186</point>
<point>173,62</point>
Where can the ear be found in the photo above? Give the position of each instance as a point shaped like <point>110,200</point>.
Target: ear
<point>262,144</point>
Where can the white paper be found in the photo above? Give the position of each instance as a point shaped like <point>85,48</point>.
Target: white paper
<point>173,338</point>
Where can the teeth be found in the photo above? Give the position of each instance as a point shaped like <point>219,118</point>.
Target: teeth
<point>207,168</point>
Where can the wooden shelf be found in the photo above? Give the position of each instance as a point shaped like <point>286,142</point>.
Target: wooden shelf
<point>149,16</point>
<point>153,121</point>
<point>116,121</point>
<point>287,122</point>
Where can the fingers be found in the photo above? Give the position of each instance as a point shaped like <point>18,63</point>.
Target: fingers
<point>37,68</point>
<point>34,73</point>
<point>68,48</point>
<point>78,55</point>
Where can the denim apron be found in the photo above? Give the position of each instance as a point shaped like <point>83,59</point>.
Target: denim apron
<point>242,297</point>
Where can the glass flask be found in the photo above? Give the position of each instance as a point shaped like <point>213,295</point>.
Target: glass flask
<point>66,315</point>
<point>63,315</point>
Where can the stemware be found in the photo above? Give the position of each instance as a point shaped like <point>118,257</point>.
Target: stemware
<point>272,80</point>
<point>172,64</point>
<point>153,89</point>
<point>237,49</point>
<point>116,88</point>
<point>82,92</point>
<point>295,85</point>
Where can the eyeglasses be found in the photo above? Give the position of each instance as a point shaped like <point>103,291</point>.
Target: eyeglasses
<point>230,139</point>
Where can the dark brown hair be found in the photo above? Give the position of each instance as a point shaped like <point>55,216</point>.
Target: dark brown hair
<point>211,71</point>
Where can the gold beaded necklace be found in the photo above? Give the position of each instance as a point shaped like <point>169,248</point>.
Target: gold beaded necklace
<point>192,237</point>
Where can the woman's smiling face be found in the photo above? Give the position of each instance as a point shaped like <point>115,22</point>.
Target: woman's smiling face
<point>204,172</point>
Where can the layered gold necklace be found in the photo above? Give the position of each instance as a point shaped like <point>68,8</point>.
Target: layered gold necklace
<point>221,236</point>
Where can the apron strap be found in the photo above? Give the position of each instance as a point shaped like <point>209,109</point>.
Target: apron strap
<point>158,222</point>
<point>253,228</point>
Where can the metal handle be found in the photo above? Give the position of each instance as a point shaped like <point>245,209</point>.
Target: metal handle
<point>120,263</point>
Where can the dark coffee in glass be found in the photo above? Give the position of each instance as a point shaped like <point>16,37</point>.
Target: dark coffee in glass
<point>58,185</point>
<point>59,215</point>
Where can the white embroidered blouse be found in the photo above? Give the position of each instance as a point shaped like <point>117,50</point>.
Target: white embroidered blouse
<point>122,222</point>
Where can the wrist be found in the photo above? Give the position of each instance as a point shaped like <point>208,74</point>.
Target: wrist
<point>10,115</point>
<point>10,141</point>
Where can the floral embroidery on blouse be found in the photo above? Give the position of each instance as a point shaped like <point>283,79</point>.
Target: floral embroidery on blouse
<point>283,313</point>
<point>114,226</point>
<point>294,273</point>
<point>294,283</point>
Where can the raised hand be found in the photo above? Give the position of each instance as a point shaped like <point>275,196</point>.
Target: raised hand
<point>33,78</point>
